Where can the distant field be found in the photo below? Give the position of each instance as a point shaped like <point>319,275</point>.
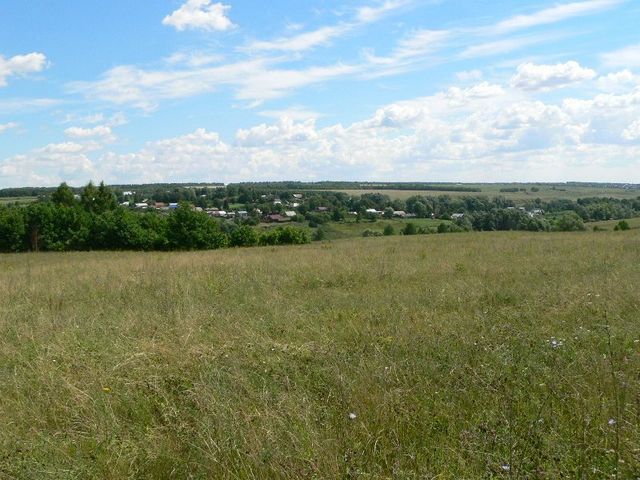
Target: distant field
<point>5,200</point>
<point>545,192</point>
<point>481,355</point>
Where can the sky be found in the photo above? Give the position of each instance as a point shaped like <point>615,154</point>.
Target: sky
<point>364,90</point>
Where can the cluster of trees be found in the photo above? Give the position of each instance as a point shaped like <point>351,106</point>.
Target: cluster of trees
<point>96,222</point>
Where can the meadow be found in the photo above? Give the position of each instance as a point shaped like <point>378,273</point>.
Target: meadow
<point>476,355</point>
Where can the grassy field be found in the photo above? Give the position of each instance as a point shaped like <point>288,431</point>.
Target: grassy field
<point>497,355</point>
<point>351,229</point>
<point>7,200</point>
<point>546,192</point>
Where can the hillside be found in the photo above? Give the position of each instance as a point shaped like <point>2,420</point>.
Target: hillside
<point>472,355</point>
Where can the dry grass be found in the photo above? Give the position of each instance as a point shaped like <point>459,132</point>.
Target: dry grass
<point>247,363</point>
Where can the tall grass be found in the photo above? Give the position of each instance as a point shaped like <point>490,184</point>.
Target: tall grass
<point>457,356</point>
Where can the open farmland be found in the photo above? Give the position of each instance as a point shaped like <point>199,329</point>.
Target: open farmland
<point>456,356</point>
<point>545,192</point>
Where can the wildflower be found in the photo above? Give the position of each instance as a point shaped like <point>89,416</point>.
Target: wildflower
<point>506,467</point>
<point>352,416</point>
<point>612,421</point>
<point>556,343</point>
<point>106,389</point>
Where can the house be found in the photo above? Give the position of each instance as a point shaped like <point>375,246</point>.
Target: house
<point>243,214</point>
<point>536,212</point>
<point>373,211</point>
<point>277,201</point>
<point>457,216</point>
<point>161,205</point>
<point>218,213</point>
<point>142,206</point>
<point>399,213</point>
<point>297,196</point>
<point>173,206</point>
<point>277,218</point>
<point>128,194</point>
<point>290,213</point>
<point>323,209</point>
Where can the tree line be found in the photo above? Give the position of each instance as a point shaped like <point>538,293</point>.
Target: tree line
<point>95,221</point>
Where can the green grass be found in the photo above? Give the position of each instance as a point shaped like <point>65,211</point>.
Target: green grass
<point>247,363</point>
<point>610,224</point>
<point>351,228</point>
<point>546,192</point>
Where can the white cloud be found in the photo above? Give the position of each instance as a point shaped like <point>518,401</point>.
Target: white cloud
<point>485,132</point>
<point>200,15</point>
<point>253,81</point>
<point>22,105</point>
<point>193,59</point>
<point>103,132</point>
<point>21,65</point>
<point>505,45</point>
<point>632,132</point>
<point>554,14</point>
<point>469,75</point>
<point>296,113</point>
<point>368,14</point>
<point>302,41</point>
<point>627,57</point>
<point>618,81</point>
<point>534,77</point>
<point>7,126</point>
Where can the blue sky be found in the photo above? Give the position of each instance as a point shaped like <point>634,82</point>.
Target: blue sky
<point>405,90</point>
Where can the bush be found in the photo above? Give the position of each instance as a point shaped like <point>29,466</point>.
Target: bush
<point>410,229</point>
<point>622,225</point>
<point>389,230</point>
<point>320,234</point>
<point>371,233</point>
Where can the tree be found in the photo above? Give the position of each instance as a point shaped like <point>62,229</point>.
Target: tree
<point>244,236</point>
<point>88,197</point>
<point>389,230</point>
<point>570,222</point>
<point>190,230</point>
<point>13,229</point>
<point>63,196</point>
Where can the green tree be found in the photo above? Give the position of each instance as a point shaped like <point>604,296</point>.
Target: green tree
<point>190,230</point>
<point>570,222</point>
<point>64,196</point>
<point>13,229</point>
<point>389,230</point>
<point>244,236</point>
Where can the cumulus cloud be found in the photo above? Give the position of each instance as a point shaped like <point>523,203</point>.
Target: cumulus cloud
<point>534,77</point>
<point>21,65</point>
<point>200,15</point>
